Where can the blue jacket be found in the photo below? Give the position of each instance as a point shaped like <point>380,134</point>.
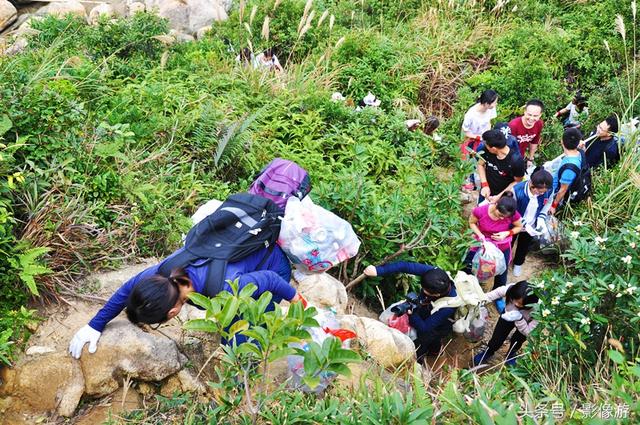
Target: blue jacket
<point>272,276</point>
<point>597,151</point>
<point>521,192</point>
<point>421,322</point>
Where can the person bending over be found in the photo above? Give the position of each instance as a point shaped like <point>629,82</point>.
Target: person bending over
<point>435,283</point>
<point>152,298</point>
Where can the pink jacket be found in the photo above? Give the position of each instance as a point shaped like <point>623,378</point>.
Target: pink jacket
<point>524,325</point>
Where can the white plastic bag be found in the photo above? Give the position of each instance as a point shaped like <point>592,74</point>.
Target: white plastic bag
<point>315,239</point>
<point>488,262</point>
<point>205,210</point>
<point>388,314</point>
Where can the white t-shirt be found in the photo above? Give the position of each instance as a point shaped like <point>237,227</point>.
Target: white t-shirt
<point>573,113</point>
<point>260,62</point>
<point>478,122</point>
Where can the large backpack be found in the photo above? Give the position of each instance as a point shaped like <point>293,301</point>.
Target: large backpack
<point>580,189</point>
<point>280,180</point>
<point>243,224</point>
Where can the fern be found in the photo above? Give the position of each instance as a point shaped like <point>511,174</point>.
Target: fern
<point>29,267</point>
<point>234,140</point>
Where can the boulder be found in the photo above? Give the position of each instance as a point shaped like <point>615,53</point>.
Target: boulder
<point>8,14</point>
<point>202,32</point>
<point>46,383</point>
<point>63,8</point>
<point>183,382</point>
<point>124,350</point>
<point>181,37</point>
<point>188,16</point>
<point>103,9</point>
<point>323,290</point>
<point>387,346</point>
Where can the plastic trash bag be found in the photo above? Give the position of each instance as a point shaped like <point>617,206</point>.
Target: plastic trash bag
<point>477,323</point>
<point>388,318</point>
<point>314,238</point>
<point>329,326</point>
<point>488,262</point>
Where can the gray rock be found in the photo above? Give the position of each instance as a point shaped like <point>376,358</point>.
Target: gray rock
<point>8,14</point>
<point>63,8</point>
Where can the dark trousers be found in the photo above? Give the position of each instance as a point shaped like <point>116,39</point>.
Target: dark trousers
<point>429,343</point>
<point>524,244</point>
<point>499,280</point>
<point>500,334</point>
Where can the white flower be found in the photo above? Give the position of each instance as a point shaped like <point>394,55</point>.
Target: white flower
<point>598,239</point>
<point>638,228</point>
<point>611,286</point>
<point>569,284</point>
<point>618,295</point>
<point>574,235</point>
<point>632,245</point>
<point>555,301</point>
<point>546,312</point>
<point>578,223</point>
<point>630,290</point>
<point>584,298</point>
<point>626,260</point>
<point>639,314</point>
<point>585,320</point>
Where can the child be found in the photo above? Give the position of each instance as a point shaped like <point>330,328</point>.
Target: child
<point>520,301</point>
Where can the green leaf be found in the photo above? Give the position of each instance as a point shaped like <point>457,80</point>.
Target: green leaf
<point>239,326</point>
<point>345,356</point>
<point>340,369</point>
<point>311,382</point>
<point>616,356</point>
<point>202,325</point>
<point>248,290</point>
<point>278,354</point>
<point>200,300</point>
<point>5,124</point>
<point>229,311</point>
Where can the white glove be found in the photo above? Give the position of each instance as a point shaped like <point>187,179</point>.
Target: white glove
<point>511,316</point>
<point>84,335</point>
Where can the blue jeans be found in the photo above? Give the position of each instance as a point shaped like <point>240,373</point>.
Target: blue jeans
<point>499,280</point>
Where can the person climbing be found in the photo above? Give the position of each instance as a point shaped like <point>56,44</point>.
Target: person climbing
<point>499,168</point>
<point>533,203</point>
<point>561,183</point>
<point>435,283</point>
<point>603,145</point>
<point>527,129</point>
<point>520,300</point>
<point>574,112</point>
<point>497,223</point>
<point>478,118</point>
<point>267,60</point>
<point>152,298</point>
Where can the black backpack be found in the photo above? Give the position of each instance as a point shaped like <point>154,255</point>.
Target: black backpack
<point>243,224</point>
<point>580,189</point>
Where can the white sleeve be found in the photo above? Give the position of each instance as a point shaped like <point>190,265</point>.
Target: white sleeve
<point>494,113</point>
<point>276,62</point>
<point>468,120</point>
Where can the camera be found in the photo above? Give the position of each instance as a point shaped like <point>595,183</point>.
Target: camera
<point>412,302</point>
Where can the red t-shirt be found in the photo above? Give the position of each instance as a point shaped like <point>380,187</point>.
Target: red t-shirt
<point>525,136</point>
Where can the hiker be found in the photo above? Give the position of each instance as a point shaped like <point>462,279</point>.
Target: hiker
<point>564,178</point>
<point>575,111</point>
<point>499,167</point>
<point>245,57</point>
<point>527,129</point>
<point>436,284</point>
<point>520,300</point>
<point>533,201</point>
<point>152,298</point>
<point>503,127</point>
<point>603,146</point>
<point>478,118</point>
<point>496,223</point>
<point>267,60</point>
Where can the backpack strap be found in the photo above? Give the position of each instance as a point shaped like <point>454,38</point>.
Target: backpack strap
<point>266,256</point>
<point>568,166</point>
<point>215,277</point>
<point>180,259</point>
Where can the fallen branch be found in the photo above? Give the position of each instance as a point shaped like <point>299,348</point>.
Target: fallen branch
<point>413,244</point>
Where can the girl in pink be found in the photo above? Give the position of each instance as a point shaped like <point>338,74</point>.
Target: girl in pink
<point>496,223</point>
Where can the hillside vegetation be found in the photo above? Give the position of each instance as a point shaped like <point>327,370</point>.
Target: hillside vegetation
<point>112,136</point>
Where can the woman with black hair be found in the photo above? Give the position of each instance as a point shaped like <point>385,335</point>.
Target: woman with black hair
<point>520,300</point>
<point>533,198</point>
<point>497,223</point>
<point>152,298</point>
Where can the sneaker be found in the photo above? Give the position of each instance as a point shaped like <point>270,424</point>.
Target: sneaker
<point>500,305</point>
<point>517,270</point>
<point>480,358</point>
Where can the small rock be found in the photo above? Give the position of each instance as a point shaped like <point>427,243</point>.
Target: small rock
<point>135,7</point>
<point>181,37</point>
<point>63,8</point>
<point>102,9</point>
<point>202,32</point>
<point>8,14</point>
<point>39,349</point>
